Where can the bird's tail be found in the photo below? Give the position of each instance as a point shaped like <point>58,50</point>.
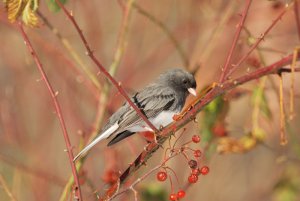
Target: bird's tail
<point>105,134</point>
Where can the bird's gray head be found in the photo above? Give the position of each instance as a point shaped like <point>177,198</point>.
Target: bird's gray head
<point>179,80</point>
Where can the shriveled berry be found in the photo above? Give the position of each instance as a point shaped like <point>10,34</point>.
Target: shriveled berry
<point>204,170</point>
<point>197,153</point>
<point>196,138</point>
<point>193,178</point>
<point>196,171</point>
<point>161,176</point>
<point>181,194</point>
<point>173,197</point>
<point>193,164</point>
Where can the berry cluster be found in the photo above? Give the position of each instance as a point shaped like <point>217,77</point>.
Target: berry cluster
<point>193,165</point>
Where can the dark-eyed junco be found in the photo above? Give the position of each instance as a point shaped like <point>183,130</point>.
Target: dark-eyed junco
<point>159,102</point>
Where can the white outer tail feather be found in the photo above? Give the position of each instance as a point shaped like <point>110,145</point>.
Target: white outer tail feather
<point>105,134</point>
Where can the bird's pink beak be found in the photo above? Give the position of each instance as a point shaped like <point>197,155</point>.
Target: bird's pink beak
<point>192,91</point>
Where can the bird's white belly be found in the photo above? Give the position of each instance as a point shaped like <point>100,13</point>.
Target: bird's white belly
<point>163,119</point>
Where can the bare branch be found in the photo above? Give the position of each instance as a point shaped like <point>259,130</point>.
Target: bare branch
<point>258,41</point>
<point>57,108</point>
<point>235,40</point>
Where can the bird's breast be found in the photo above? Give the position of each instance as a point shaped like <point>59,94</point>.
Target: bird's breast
<point>162,119</point>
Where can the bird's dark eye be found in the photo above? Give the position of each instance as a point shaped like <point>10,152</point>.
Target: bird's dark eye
<point>184,81</point>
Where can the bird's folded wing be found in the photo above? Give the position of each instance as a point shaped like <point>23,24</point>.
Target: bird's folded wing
<point>151,103</point>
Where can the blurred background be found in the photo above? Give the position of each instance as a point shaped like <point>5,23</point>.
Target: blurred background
<point>240,133</point>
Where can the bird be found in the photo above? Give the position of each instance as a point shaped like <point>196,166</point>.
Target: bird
<point>159,102</point>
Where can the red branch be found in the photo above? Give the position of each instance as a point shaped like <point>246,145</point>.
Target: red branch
<point>296,11</point>
<point>235,40</point>
<point>258,41</point>
<point>58,111</point>
<point>103,70</point>
<point>190,115</point>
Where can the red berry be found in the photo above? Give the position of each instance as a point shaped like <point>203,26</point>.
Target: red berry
<point>204,170</point>
<point>197,153</point>
<point>173,196</point>
<point>219,130</point>
<point>193,178</point>
<point>196,171</point>
<point>196,138</point>
<point>181,194</point>
<point>193,164</point>
<point>161,176</point>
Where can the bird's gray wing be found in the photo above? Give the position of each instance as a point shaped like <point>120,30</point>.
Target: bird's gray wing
<point>152,100</point>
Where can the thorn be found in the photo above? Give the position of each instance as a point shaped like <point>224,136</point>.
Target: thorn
<point>145,147</point>
<point>38,80</point>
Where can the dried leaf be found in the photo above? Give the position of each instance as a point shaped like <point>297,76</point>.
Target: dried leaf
<point>14,9</point>
<point>28,14</point>
<point>259,134</point>
<point>22,8</point>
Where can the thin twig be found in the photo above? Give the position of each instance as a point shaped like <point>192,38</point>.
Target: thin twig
<point>283,139</point>
<point>121,45</point>
<point>168,33</point>
<point>297,20</point>
<point>57,108</point>
<point>6,189</point>
<point>234,43</point>
<point>292,86</point>
<point>89,52</point>
<point>213,40</point>
<point>71,51</point>
<point>140,179</point>
<point>35,172</point>
<point>258,41</point>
